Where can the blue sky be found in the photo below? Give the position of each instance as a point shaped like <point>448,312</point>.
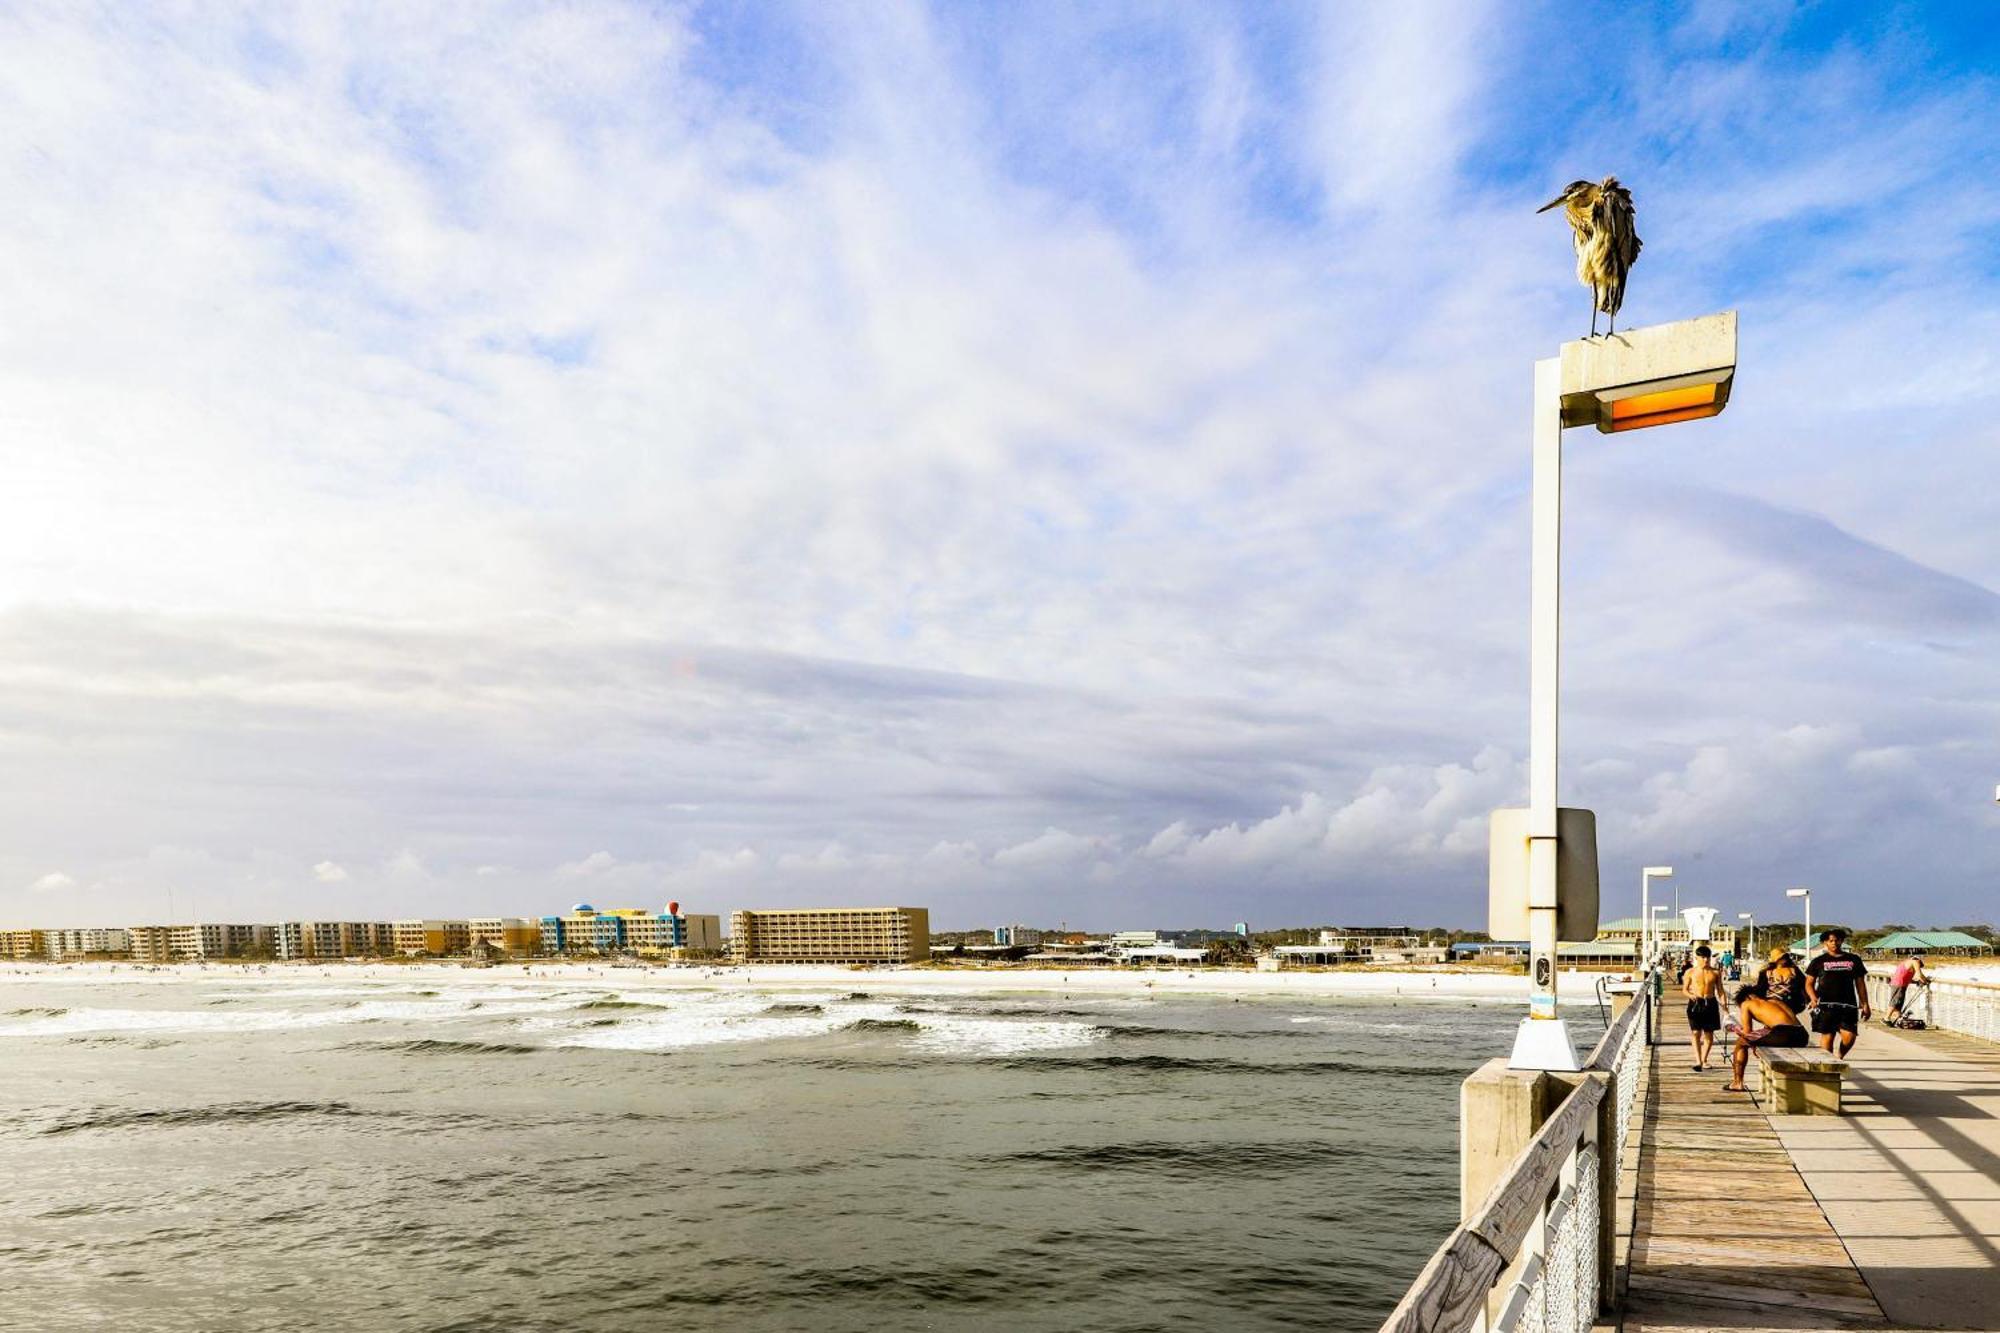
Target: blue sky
<point>1041,462</point>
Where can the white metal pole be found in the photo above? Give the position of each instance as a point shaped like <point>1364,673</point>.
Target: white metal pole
<point>1544,675</point>
<point>1645,917</point>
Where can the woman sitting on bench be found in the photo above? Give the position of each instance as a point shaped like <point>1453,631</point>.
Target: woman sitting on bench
<point>1777,1026</point>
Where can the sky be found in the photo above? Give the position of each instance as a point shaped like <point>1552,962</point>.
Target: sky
<point>1045,463</point>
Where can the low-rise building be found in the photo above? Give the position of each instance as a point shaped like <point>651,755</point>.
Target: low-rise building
<point>830,935</point>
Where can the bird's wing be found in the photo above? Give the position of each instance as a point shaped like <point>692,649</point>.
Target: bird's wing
<point>1617,221</point>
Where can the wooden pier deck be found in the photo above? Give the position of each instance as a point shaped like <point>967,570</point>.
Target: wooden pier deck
<point>1725,1232</point>
<point>1885,1217</point>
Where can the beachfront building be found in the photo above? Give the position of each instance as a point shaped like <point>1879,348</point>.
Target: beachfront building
<point>1361,944</point>
<point>24,944</point>
<point>584,929</point>
<point>72,943</point>
<point>1164,954</point>
<point>198,942</point>
<point>508,934</point>
<point>434,936</point>
<point>1015,937</point>
<point>1670,933</point>
<point>326,940</point>
<point>830,935</point>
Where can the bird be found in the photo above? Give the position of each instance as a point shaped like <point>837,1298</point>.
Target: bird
<point>1607,242</point>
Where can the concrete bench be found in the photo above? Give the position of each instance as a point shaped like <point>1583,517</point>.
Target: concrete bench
<point>1799,1080</point>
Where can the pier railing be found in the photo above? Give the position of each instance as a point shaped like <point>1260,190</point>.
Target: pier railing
<point>1538,1252</point>
<point>1968,1007</point>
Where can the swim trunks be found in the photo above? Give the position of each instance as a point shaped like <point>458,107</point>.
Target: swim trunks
<point>1704,1015</point>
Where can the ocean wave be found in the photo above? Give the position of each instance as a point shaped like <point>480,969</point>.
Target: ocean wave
<point>1217,1064</point>
<point>438,1046</point>
<point>786,1007</point>
<point>226,1113</point>
<point>33,1012</point>
<point>74,1022</point>
<point>1178,1159</point>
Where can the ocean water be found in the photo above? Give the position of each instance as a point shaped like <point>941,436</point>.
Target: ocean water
<point>234,1152</point>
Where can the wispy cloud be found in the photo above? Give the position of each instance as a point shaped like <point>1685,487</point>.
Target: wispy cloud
<point>1069,463</point>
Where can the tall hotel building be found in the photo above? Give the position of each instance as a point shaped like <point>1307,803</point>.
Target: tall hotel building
<point>830,935</point>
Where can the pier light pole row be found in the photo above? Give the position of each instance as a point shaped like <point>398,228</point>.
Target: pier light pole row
<point>1807,895</point>
<point>1543,870</point>
<point>1750,952</point>
<point>1646,878</point>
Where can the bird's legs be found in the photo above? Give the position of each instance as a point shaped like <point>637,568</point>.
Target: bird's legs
<point>1593,312</point>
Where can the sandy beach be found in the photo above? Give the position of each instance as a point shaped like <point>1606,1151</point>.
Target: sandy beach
<point>1413,984</point>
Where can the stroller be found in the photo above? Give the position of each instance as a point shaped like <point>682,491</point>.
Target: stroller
<point>1917,997</point>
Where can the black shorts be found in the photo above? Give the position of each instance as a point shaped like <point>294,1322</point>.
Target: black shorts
<point>1832,1018</point>
<point>1704,1015</point>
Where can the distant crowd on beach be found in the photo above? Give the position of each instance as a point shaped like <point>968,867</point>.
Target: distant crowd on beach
<point>1824,1002</point>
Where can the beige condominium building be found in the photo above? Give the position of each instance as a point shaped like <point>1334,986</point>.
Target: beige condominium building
<point>830,935</point>
<point>333,939</point>
<point>166,944</point>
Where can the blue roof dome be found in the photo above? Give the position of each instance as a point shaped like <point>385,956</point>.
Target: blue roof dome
<point>583,907</point>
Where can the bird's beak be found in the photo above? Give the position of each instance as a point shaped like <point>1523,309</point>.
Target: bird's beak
<point>1552,203</point>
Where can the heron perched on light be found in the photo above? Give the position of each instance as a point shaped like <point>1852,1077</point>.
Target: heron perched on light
<point>1607,242</point>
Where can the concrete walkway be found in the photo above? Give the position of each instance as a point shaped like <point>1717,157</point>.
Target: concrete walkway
<point>1909,1177</point>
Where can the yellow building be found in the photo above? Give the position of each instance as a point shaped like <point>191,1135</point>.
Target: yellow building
<point>510,934</point>
<point>23,944</point>
<point>830,935</point>
<point>432,936</point>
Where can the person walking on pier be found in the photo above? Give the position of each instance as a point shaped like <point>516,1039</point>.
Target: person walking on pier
<point>1703,987</point>
<point>1836,983</point>
<point>1763,1021</point>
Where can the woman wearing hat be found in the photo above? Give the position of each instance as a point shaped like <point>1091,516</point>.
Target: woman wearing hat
<point>1782,981</point>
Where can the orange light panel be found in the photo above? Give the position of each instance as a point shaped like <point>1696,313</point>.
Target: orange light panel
<point>1665,418</point>
<point>1667,400</point>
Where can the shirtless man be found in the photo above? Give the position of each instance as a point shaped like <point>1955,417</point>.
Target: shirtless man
<point>1776,1025</point>
<point>1703,987</point>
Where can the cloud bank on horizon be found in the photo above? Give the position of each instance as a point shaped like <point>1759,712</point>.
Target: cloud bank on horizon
<point>1043,464</point>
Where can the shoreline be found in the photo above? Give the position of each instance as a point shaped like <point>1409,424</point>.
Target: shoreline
<point>1579,987</point>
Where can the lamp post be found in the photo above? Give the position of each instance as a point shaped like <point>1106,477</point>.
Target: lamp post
<point>1646,878</point>
<point>1750,952</point>
<point>1807,895</point>
<point>1644,377</point>
<point>1659,938</point>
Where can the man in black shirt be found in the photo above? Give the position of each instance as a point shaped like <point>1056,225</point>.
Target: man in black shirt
<point>1836,986</point>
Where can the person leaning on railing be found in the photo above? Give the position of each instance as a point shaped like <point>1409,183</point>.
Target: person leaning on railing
<point>1909,973</point>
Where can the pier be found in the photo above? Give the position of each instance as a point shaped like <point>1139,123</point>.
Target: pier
<point>1727,1216</point>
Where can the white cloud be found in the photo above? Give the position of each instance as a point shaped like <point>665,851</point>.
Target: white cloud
<point>1075,483</point>
<point>330,872</point>
<point>53,882</point>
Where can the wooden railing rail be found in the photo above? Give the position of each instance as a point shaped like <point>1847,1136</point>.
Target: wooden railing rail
<point>1537,1250</point>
